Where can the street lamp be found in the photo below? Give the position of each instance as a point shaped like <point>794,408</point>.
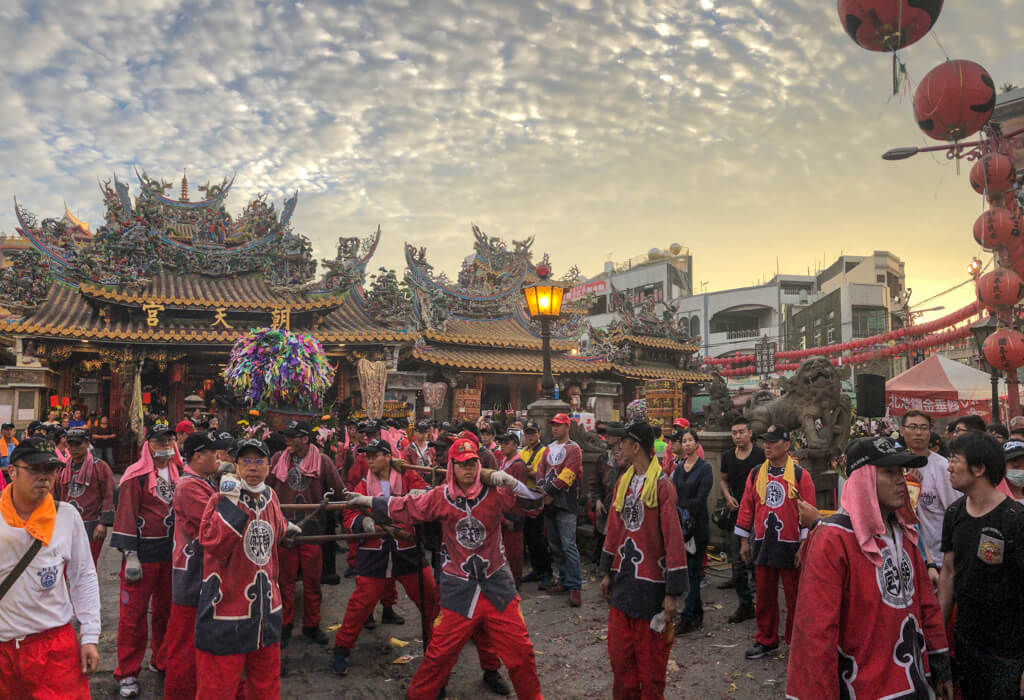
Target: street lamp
<point>544,303</point>
<point>981,330</point>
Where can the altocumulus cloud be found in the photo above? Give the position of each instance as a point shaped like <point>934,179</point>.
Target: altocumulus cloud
<point>603,127</point>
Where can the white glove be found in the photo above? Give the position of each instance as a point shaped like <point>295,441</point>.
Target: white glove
<point>356,500</point>
<point>500,478</point>
<point>132,567</point>
<point>369,526</point>
<point>658,622</point>
<point>292,530</point>
<point>231,487</point>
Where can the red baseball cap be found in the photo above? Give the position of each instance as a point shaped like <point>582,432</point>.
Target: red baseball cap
<point>471,436</point>
<point>185,427</point>
<point>561,419</point>
<point>463,450</point>
<point>681,423</point>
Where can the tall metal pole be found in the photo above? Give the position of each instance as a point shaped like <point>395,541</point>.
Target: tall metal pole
<point>547,382</point>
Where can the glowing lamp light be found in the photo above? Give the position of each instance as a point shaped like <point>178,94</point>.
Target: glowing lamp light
<point>543,300</point>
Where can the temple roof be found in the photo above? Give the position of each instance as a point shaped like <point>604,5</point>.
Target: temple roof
<point>500,333</point>
<point>247,292</point>
<point>650,341</point>
<point>66,313</point>
<point>495,360</point>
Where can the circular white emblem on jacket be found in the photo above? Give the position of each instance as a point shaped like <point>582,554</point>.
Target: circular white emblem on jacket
<point>297,480</point>
<point>774,494</point>
<point>633,514</point>
<point>895,579</point>
<point>164,490</point>
<point>556,454</point>
<point>259,541</point>
<point>75,489</point>
<point>470,532</point>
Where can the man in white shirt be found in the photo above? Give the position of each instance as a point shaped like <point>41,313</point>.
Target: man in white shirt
<point>40,655</point>
<point>937,493</point>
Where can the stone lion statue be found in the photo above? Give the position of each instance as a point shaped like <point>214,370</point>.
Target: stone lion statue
<point>812,402</point>
<point>720,413</point>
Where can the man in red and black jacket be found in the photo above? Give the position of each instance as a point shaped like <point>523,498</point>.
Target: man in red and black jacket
<point>195,488</point>
<point>88,485</point>
<point>512,529</point>
<point>769,509</point>
<point>302,474</point>
<point>644,567</point>
<point>142,531</point>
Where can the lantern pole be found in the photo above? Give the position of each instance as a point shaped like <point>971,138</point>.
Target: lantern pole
<point>547,382</point>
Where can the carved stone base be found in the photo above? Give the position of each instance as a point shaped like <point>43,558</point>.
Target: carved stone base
<point>542,411</point>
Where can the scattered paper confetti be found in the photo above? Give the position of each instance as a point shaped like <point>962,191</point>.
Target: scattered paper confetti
<point>672,665</point>
<point>334,628</point>
<point>749,675</point>
<point>725,646</point>
<point>395,642</point>
<point>404,659</point>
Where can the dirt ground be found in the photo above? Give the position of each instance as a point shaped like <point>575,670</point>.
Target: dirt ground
<point>570,643</point>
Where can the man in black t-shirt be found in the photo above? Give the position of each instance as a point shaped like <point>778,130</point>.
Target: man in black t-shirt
<point>736,467</point>
<point>983,565</point>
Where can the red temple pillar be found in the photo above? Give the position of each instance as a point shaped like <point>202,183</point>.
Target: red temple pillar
<point>342,379</point>
<point>178,375</point>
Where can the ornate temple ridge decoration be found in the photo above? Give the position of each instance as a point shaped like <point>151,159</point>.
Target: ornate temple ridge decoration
<point>157,232</point>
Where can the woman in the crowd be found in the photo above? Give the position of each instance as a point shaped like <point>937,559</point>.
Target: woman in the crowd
<point>692,478</point>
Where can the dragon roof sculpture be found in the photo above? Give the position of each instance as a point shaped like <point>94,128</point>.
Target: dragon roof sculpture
<point>157,232</point>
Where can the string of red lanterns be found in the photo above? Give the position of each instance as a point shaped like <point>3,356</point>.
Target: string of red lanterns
<point>926,343</point>
<point>921,329</point>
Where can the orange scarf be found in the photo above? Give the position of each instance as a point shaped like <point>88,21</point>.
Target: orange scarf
<point>40,524</point>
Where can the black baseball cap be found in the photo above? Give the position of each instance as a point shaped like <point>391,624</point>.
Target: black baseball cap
<point>77,435</point>
<point>224,441</point>
<point>443,442</point>
<point>775,433</point>
<point>640,432</point>
<point>508,437</point>
<point>881,452</point>
<point>252,443</point>
<point>677,436</point>
<point>423,426</point>
<point>35,450</point>
<point>297,428</point>
<point>376,447</point>
<point>488,428</point>
<point>196,442</point>
<point>1013,449</point>
<point>369,427</point>
<point>33,427</point>
<point>531,426</point>
<point>158,430</point>
<point>7,426</point>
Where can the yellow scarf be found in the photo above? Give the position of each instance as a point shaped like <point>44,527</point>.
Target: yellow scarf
<point>649,492</point>
<point>789,474</point>
<point>40,524</point>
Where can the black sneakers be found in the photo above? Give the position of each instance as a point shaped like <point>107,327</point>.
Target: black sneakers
<point>759,651</point>
<point>315,633</point>
<point>497,684</point>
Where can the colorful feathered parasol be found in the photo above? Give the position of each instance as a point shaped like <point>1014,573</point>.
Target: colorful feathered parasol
<point>274,367</point>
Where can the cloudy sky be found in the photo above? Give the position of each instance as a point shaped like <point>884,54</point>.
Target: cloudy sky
<point>747,130</point>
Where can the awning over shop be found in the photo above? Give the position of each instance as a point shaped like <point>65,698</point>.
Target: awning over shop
<point>941,387</point>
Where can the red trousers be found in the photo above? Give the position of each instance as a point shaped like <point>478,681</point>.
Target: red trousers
<point>311,558</point>
<point>96,546</point>
<point>179,654</point>
<point>220,677</point>
<point>767,603</point>
<point>370,590</point>
<point>137,598</point>
<point>513,543</point>
<point>505,630</point>
<point>639,657</point>
<point>43,666</point>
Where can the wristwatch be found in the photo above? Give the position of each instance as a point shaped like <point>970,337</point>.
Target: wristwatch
<point>931,565</point>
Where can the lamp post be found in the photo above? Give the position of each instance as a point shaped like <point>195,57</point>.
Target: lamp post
<point>981,330</point>
<point>544,303</point>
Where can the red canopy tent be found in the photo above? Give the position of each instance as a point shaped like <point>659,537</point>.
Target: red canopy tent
<point>942,388</point>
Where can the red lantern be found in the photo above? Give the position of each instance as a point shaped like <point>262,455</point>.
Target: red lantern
<point>54,401</point>
<point>1001,287</point>
<point>888,25</point>
<point>146,397</point>
<point>993,175</point>
<point>954,100</point>
<point>65,401</point>
<point>996,227</point>
<point>1004,349</point>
